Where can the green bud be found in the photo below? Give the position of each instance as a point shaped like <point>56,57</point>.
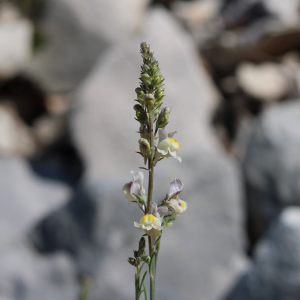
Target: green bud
<point>158,103</point>
<point>132,261</point>
<point>157,80</point>
<point>146,259</point>
<point>144,48</point>
<point>139,92</point>
<point>146,79</point>
<point>163,117</point>
<point>141,114</point>
<point>144,147</point>
<point>144,132</point>
<point>154,69</point>
<point>149,101</point>
<point>142,245</point>
<point>159,92</point>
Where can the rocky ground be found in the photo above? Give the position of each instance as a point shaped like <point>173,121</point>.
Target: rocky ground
<point>68,70</point>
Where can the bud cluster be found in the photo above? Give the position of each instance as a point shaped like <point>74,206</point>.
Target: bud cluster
<point>150,96</point>
<point>140,254</point>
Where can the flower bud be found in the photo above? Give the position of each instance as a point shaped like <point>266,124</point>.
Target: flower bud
<point>159,92</point>
<point>157,80</point>
<point>146,259</point>
<point>142,245</point>
<point>139,92</point>
<point>163,117</point>
<point>158,104</point>
<point>146,79</point>
<point>132,261</point>
<point>154,69</point>
<point>149,101</point>
<point>144,147</point>
<point>144,48</point>
<point>141,115</point>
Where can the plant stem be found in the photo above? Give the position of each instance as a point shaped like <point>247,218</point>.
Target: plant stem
<point>137,284</point>
<point>150,163</point>
<point>150,192</point>
<point>157,250</point>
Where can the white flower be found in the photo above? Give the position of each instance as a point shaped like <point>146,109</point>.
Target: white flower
<point>176,188</point>
<point>179,205</point>
<point>167,146</point>
<point>134,187</point>
<point>150,224</point>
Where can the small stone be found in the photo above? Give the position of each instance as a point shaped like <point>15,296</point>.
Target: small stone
<point>265,82</point>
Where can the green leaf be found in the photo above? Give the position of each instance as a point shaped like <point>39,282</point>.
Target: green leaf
<point>143,279</point>
<point>136,281</point>
<point>145,292</point>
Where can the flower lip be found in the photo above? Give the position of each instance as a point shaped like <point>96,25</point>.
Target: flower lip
<point>150,224</point>
<point>167,146</point>
<point>179,205</point>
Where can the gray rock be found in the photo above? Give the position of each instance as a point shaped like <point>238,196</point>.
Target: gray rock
<point>77,34</point>
<point>25,199</point>
<point>275,274</point>
<point>16,38</point>
<point>272,166</point>
<point>27,275</point>
<point>266,81</point>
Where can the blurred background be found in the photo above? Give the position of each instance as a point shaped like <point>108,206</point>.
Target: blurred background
<point>68,71</point>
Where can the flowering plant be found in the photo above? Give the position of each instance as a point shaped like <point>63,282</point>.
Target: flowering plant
<point>156,217</point>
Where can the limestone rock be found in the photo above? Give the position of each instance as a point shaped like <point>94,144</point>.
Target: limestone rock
<point>276,267</point>
<point>16,36</point>
<point>25,199</point>
<point>266,82</point>
<point>272,166</point>
<point>27,275</point>
<point>77,33</point>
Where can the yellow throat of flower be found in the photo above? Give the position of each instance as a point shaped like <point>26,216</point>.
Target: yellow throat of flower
<point>174,142</point>
<point>148,219</point>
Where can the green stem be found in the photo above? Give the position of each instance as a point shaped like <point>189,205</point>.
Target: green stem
<point>137,284</point>
<point>150,192</point>
<point>157,250</point>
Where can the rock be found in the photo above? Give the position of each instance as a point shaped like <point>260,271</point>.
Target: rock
<point>266,82</point>
<point>59,161</point>
<point>285,11</point>
<point>72,229</point>
<point>15,136</point>
<point>196,14</point>
<point>26,199</point>
<point>206,242</point>
<point>272,166</point>
<point>27,275</point>
<point>77,34</point>
<point>276,266</point>
<point>16,36</point>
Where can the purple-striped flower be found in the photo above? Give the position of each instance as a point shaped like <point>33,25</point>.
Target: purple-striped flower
<point>134,187</point>
<point>176,188</point>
